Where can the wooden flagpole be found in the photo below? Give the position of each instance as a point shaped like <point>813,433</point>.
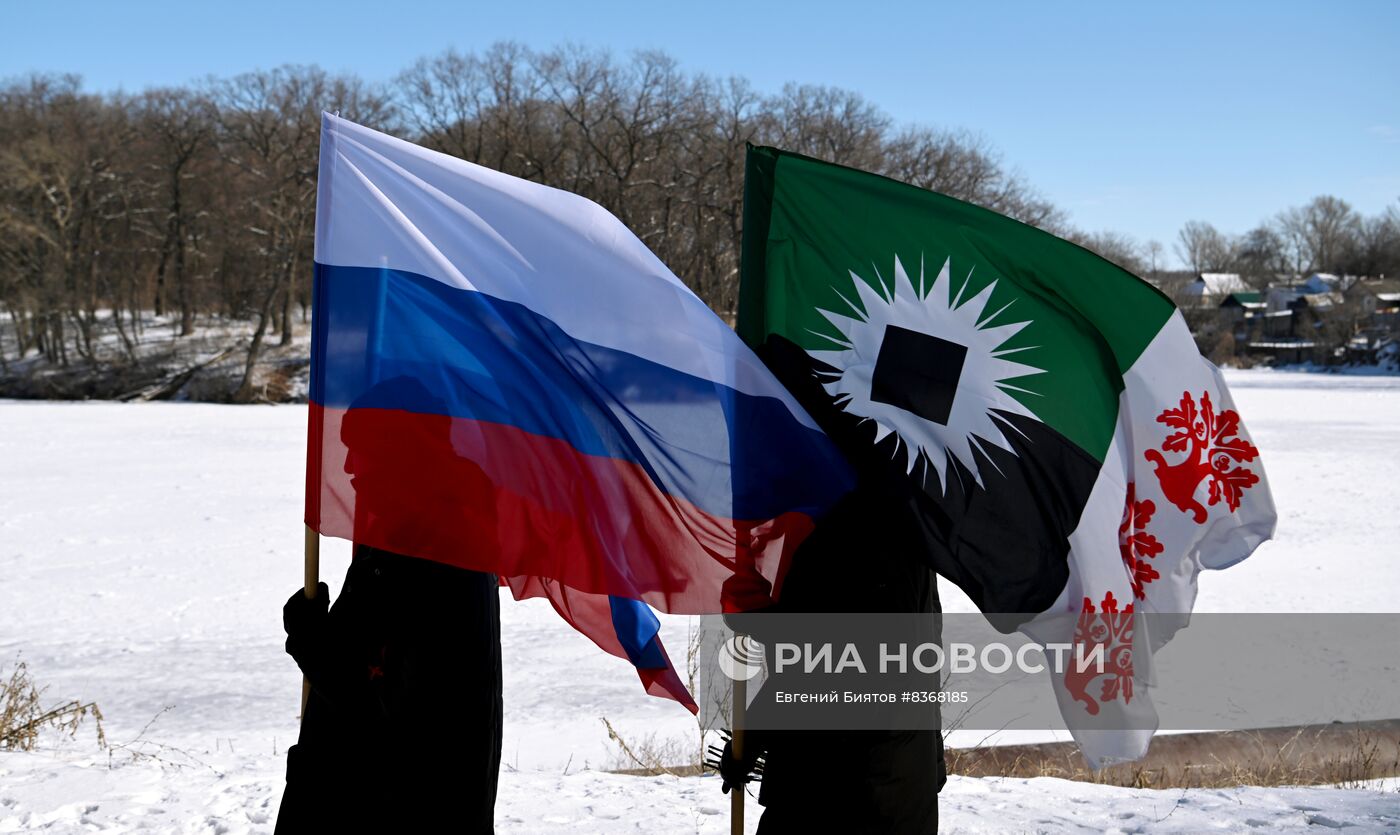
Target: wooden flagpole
<point>311,543</point>
<point>736,795</point>
<point>312,577</point>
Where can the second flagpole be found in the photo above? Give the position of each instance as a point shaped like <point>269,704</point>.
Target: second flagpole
<point>311,577</point>
<point>736,796</point>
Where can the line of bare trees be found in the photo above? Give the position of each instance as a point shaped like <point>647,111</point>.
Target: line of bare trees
<point>1326,235</point>
<point>177,201</point>
<point>199,201</point>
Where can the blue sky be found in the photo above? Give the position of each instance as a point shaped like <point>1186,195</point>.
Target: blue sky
<point>1131,116</point>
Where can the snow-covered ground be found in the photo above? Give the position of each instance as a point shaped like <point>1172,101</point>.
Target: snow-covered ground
<point>146,551</point>
<point>72,794</point>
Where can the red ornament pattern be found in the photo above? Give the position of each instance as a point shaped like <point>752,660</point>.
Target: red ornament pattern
<point>1136,544</point>
<point>1212,449</point>
<point>1112,630</point>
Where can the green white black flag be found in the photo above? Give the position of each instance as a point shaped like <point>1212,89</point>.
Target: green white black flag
<point>1076,458</point>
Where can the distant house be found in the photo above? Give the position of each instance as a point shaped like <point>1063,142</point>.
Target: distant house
<point>1244,305</point>
<point>1278,337</point>
<point>1314,293</point>
<point>1239,312</point>
<point>1386,314</point>
<point>1319,301</point>
<point>1378,296</point>
<point>1209,288</point>
<point>1371,345</point>
<point>1379,299</point>
<point>1277,328</point>
<point>1319,283</point>
<point>1320,317</point>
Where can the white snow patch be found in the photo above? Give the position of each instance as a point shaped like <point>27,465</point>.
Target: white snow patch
<point>146,551</point>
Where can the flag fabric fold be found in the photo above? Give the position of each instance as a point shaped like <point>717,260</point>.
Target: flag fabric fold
<point>504,378</point>
<point>1077,459</point>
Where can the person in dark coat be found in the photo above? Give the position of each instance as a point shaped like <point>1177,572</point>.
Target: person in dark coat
<point>402,729</point>
<point>403,724</point>
<point>864,556</point>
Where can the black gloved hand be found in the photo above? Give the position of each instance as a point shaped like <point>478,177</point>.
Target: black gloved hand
<point>303,615</point>
<point>735,772</point>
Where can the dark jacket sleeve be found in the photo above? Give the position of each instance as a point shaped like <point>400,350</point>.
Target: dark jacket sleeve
<point>334,668</point>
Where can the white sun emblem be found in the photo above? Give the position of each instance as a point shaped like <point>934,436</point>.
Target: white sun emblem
<point>978,388</point>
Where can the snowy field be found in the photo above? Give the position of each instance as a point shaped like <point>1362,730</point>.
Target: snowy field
<point>146,551</point>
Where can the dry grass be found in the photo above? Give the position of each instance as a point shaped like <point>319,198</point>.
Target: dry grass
<point>1335,755</point>
<point>24,719</point>
<point>650,755</point>
<point>1342,755</point>
<point>679,756</point>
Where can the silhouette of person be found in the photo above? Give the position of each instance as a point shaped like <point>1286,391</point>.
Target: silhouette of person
<point>863,556</point>
<point>403,725</point>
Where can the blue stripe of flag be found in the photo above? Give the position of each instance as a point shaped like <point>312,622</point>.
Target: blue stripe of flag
<point>731,454</point>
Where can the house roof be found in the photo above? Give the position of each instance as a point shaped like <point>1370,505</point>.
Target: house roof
<point>1380,287</point>
<point>1247,299</point>
<point>1325,280</point>
<point>1322,299</point>
<point>1218,284</point>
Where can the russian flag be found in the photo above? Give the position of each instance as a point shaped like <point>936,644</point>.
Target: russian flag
<point>504,378</point>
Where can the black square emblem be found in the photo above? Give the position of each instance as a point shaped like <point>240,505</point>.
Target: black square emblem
<point>918,373</point>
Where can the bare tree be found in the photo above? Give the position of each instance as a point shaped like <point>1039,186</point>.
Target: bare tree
<point>268,128</point>
<point>964,165</point>
<point>1203,248</point>
<point>827,123</point>
<point>59,176</point>
<point>1152,253</point>
<point>177,125</point>
<point>1114,246</point>
<point>1260,257</point>
<point>201,199</point>
<point>1322,234</point>
<point>1375,250</point>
